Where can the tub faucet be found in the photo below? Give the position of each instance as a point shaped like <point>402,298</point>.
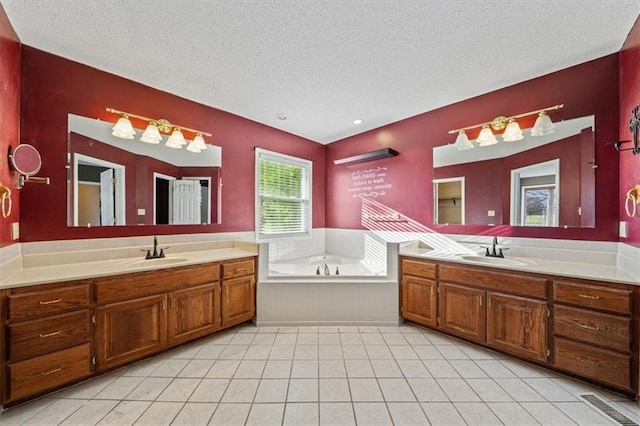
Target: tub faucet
<point>325,268</point>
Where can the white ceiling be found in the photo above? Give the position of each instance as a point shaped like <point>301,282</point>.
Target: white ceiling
<point>325,63</point>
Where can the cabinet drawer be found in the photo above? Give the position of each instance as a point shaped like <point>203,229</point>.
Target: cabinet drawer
<point>45,372</point>
<point>598,364</point>
<point>592,296</point>
<point>37,304</point>
<point>522,285</point>
<point>610,331</point>
<point>34,338</point>
<point>418,268</point>
<point>237,269</point>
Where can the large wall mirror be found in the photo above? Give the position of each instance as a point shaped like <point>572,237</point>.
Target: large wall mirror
<point>538,181</point>
<point>112,181</point>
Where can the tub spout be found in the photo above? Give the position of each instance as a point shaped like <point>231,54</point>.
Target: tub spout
<point>326,269</point>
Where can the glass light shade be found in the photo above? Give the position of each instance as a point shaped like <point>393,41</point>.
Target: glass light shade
<point>199,142</point>
<point>513,132</point>
<point>173,144</point>
<point>151,134</point>
<point>462,142</point>
<point>543,125</point>
<point>123,129</point>
<point>193,147</point>
<point>486,137</point>
<point>176,138</point>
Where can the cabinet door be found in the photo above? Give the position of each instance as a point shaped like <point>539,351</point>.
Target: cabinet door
<point>238,300</point>
<point>129,330</point>
<point>418,300</point>
<point>193,312</point>
<point>517,325</point>
<point>462,311</point>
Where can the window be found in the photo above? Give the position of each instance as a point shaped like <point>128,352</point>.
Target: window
<point>283,196</point>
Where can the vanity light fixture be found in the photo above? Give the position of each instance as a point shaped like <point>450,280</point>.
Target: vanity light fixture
<point>512,131</point>
<point>152,134</point>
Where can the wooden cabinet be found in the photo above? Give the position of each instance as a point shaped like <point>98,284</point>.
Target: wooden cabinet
<point>462,311</point>
<point>517,325</point>
<point>581,327</point>
<point>127,331</point>
<point>194,312</point>
<point>238,300</point>
<point>592,332</point>
<point>418,301</point>
<point>47,338</point>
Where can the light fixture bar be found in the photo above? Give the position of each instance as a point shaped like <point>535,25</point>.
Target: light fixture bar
<point>171,125</point>
<point>506,119</point>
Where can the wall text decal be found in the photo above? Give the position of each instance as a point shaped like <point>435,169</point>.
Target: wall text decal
<point>369,183</point>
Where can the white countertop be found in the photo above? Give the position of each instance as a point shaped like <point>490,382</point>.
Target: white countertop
<point>76,271</point>
<point>523,264</point>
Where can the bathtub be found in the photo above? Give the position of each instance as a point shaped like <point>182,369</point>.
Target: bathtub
<point>292,294</point>
<point>338,266</point>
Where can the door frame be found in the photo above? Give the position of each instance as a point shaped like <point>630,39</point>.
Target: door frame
<point>462,198</point>
<point>157,175</point>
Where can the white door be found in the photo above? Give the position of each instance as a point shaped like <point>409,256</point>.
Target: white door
<point>186,201</point>
<point>107,202</point>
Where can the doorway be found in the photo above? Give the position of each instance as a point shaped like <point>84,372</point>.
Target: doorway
<point>448,201</point>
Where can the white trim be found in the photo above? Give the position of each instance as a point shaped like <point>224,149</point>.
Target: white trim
<point>515,198</point>
<point>208,179</point>
<point>460,179</point>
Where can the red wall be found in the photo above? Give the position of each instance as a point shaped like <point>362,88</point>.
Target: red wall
<point>629,98</point>
<point>54,86</point>
<point>10,117</point>
<point>589,88</point>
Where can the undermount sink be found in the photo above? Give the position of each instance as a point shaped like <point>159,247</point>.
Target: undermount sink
<point>162,261</point>
<point>494,260</point>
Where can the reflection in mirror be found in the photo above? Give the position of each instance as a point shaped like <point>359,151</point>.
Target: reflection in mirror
<point>493,196</point>
<point>448,201</point>
<point>125,182</point>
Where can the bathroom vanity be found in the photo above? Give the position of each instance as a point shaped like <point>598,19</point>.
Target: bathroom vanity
<point>62,332</point>
<point>580,327</point>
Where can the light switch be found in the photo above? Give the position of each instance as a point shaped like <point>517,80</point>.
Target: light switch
<point>623,229</point>
<point>141,212</point>
<point>15,230</point>
<point>491,213</point>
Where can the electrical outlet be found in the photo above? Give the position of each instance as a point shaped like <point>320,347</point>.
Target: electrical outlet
<point>141,212</point>
<point>491,213</point>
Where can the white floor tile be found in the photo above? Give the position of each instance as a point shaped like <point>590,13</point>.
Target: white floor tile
<point>403,352</point>
<point>359,368</point>
<point>301,414</point>
<point>240,390</point>
<point>242,339</point>
<point>282,352</point>
<point>522,369</point>
<point>428,353</point>
<point>396,390</point>
<point>307,339</point>
<point>306,352</point>
<point>149,389</point>
<point>179,390</point>
<point>258,352</point>
<point>196,368</point>
<point>119,388</point>
<point>170,368</point>
<point>351,339</point>
<point>277,369</point>
<point>519,390</point>
<point>366,390</point>
<point>272,390</point>
<point>372,339</point>
<point>160,413</point>
<point>304,369</point>
<point>234,352</point>
<point>194,413</point>
<point>266,414</point>
<point>330,352</point>
<point>22,413</point>
<point>458,390</point>
<point>250,369</point>
<point>441,369</point>
<point>329,339</point>
<point>511,413</point>
<point>125,413</point>
<point>495,369</point>
<point>303,390</point>
<point>584,414</point>
<point>143,368</point>
<point>90,413</point>
<point>264,339</point>
<point>378,352</point>
<point>550,390</point>
<point>468,369</point>
<point>223,369</point>
<point>427,390</point>
<point>442,413</point>
<point>477,414</point>
<point>230,414</point>
<point>354,352</point>
<point>285,340</point>
<point>546,413</point>
<point>475,352</point>
<point>334,390</point>
<point>331,368</point>
<point>337,413</point>
<point>386,368</point>
<point>407,413</point>
<point>371,413</point>
<point>413,368</point>
<point>488,390</point>
<point>88,389</point>
<point>451,352</point>
<point>209,390</point>
<point>417,339</point>
<point>395,339</point>
<point>209,352</point>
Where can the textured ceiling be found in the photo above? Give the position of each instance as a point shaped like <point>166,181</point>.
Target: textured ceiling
<point>325,63</point>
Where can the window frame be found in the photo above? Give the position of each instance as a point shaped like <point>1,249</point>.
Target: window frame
<point>263,154</point>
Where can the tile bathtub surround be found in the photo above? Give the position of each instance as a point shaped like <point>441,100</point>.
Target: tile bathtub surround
<point>628,256</point>
<point>323,375</point>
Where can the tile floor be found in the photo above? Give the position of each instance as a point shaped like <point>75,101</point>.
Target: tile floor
<point>323,375</point>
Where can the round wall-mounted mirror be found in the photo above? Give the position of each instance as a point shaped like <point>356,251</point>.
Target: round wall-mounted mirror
<point>26,160</point>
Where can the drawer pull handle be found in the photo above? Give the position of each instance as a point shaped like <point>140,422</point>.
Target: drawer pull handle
<point>50,334</point>
<point>46,373</point>
<point>586,296</point>
<point>588,361</point>
<point>50,302</point>
<point>589,327</point>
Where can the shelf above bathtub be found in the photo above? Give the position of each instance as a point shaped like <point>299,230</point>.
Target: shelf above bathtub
<point>367,156</point>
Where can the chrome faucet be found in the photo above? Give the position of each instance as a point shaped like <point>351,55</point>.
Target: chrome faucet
<point>325,268</point>
<point>155,254</point>
<point>494,252</point>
